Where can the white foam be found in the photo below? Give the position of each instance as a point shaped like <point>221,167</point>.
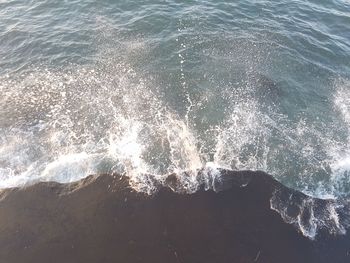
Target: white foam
<point>242,139</point>
<point>65,125</point>
<point>339,153</point>
<point>117,120</point>
<point>342,99</point>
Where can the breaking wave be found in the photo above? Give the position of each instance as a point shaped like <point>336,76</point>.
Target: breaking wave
<point>63,125</point>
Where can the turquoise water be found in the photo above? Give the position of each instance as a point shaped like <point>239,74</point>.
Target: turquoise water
<point>166,86</point>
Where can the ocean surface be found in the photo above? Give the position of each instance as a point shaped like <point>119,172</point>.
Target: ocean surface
<point>158,87</point>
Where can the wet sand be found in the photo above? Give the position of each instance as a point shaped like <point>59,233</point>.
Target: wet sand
<point>101,219</point>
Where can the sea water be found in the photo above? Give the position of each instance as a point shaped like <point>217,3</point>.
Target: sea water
<point>159,87</point>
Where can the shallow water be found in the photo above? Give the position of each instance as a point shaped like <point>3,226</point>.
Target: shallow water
<point>163,86</point>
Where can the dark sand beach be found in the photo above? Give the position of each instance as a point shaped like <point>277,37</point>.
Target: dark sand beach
<point>101,219</point>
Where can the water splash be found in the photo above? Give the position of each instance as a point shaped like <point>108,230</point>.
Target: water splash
<point>340,152</point>
<point>65,124</point>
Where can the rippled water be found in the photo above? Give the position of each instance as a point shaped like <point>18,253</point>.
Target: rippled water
<point>164,86</point>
